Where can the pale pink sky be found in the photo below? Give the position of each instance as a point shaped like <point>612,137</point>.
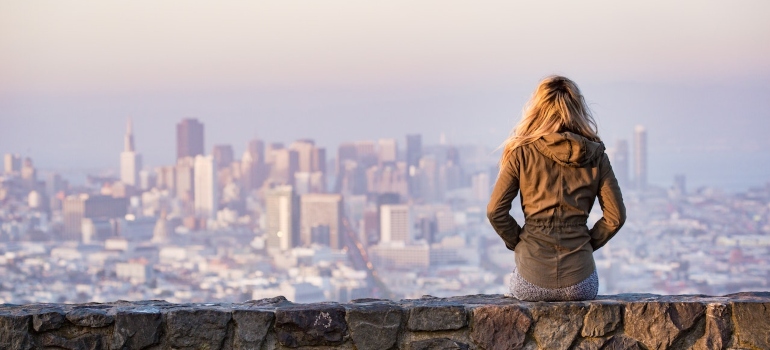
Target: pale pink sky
<point>139,45</point>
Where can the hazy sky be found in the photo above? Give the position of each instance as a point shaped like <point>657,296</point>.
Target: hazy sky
<point>696,73</point>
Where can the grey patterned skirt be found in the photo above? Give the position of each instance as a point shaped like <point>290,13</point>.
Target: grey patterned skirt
<point>524,290</point>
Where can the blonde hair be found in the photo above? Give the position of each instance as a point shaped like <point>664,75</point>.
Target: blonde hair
<point>556,105</point>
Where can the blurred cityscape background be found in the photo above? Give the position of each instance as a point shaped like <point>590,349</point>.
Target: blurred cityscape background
<point>186,151</point>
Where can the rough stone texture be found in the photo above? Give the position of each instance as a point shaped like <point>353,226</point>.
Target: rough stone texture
<point>84,342</point>
<point>14,331</point>
<point>557,324</point>
<point>620,342</point>
<point>375,324</point>
<point>438,344</point>
<point>658,324</point>
<point>626,321</point>
<point>435,315</point>
<point>90,317</point>
<point>311,325</point>
<point>752,324</point>
<point>718,331</point>
<point>136,328</point>
<point>602,318</point>
<point>251,327</point>
<point>47,319</point>
<point>202,328</point>
<point>500,327</point>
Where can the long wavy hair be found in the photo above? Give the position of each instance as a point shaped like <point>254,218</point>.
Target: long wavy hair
<point>556,106</point>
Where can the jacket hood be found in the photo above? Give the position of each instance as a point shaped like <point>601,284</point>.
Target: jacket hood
<point>569,149</point>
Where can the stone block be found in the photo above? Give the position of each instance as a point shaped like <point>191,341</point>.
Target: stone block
<point>752,324</point>
<point>374,325</point>
<point>14,331</point>
<point>437,316</point>
<point>196,328</point>
<point>83,342</point>
<point>251,327</point>
<point>621,342</point>
<point>718,330</point>
<point>557,324</point>
<point>311,325</point>
<point>136,328</point>
<point>47,319</point>
<point>88,317</point>
<point>437,344</point>
<point>500,327</point>
<point>602,318</point>
<point>658,325</point>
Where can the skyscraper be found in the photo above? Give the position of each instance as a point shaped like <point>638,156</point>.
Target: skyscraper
<point>12,163</point>
<point>223,156</point>
<point>130,161</point>
<point>189,138</point>
<point>205,183</point>
<point>387,150</point>
<point>282,214</point>
<point>321,219</point>
<point>413,155</point>
<point>640,157</point>
<point>395,223</point>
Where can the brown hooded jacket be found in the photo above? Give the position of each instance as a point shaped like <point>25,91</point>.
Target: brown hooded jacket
<point>560,175</point>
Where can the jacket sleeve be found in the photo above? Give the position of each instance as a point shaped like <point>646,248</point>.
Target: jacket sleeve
<point>505,190</point>
<point>613,209</point>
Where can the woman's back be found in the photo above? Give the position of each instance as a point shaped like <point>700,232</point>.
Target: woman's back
<point>556,160</point>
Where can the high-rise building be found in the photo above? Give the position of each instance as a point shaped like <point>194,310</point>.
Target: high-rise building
<point>223,156</point>
<point>480,187</point>
<point>413,155</point>
<point>640,157</point>
<point>206,196</point>
<point>620,162</point>
<point>395,223</point>
<point>77,208</point>
<point>366,153</point>
<point>285,164</point>
<point>254,171</point>
<point>189,138</point>
<point>387,151</point>
<point>12,163</point>
<point>185,179</point>
<point>130,160</point>
<point>304,149</point>
<point>413,150</point>
<point>282,218</point>
<point>321,219</point>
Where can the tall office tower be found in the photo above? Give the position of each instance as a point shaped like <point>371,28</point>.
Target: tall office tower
<point>206,194</point>
<point>346,152</point>
<point>481,187</point>
<point>130,161</point>
<point>257,149</point>
<point>640,157</point>
<point>189,138</point>
<point>413,155</point>
<point>366,153</point>
<point>282,218</point>
<point>12,163</point>
<point>166,178</point>
<point>254,171</point>
<point>185,179</point>
<point>387,151</point>
<point>77,208</point>
<point>223,156</point>
<point>270,151</point>
<point>321,219</point>
<point>413,150</point>
<point>620,162</point>
<point>285,164</point>
<point>395,223</point>
<point>28,171</point>
<point>428,179</point>
<point>304,149</point>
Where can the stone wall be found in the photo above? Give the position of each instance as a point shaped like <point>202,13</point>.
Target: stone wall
<point>627,321</point>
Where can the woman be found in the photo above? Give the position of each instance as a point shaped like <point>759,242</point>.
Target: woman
<point>556,159</point>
